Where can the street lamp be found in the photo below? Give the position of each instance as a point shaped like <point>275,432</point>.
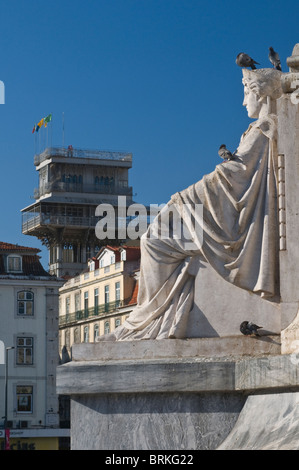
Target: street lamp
<point>6,382</point>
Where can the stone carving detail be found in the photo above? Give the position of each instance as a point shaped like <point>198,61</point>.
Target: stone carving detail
<point>281,203</point>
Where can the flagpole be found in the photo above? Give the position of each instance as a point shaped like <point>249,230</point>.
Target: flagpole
<point>63,130</point>
<point>51,132</point>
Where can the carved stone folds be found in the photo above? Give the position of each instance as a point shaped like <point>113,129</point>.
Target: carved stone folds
<point>281,203</point>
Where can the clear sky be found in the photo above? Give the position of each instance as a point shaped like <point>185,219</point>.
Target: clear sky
<point>153,77</point>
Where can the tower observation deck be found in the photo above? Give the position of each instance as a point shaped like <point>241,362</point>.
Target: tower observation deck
<point>72,183</point>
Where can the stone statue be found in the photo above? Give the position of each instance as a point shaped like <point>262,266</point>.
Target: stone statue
<point>238,227</point>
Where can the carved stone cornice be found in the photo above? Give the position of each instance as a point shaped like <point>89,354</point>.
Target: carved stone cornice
<point>290,81</point>
<point>293,61</point>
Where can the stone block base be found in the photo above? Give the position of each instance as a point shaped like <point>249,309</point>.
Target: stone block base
<point>153,421</point>
<point>156,395</point>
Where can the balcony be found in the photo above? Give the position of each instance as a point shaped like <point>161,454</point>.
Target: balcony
<point>36,221</point>
<point>111,188</point>
<point>87,314</point>
<point>81,153</point>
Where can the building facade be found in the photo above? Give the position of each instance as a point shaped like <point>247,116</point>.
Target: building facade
<point>29,341</point>
<point>72,184</point>
<point>100,298</point>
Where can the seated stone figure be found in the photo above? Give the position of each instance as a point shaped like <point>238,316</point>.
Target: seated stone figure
<point>238,233</point>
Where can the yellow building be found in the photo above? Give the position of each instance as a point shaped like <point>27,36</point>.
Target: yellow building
<point>99,299</point>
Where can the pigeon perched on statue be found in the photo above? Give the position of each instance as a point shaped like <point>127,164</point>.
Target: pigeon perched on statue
<point>224,153</point>
<point>244,60</point>
<point>249,328</point>
<point>274,59</point>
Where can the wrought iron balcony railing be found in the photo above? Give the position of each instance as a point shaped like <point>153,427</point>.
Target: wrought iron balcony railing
<point>97,311</point>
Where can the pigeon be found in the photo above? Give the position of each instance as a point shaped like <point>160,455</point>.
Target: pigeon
<point>248,328</point>
<point>224,153</point>
<point>244,60</point>
<point>274,59</point>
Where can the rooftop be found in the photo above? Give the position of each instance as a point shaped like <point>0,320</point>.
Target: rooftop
<point>5,247</point>
<point>29,264</point>
<point>81,153</point>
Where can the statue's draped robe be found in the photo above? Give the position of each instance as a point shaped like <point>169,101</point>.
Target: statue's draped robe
<point>239,239</point>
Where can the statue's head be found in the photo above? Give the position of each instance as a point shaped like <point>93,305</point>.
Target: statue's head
<point>260,84</point>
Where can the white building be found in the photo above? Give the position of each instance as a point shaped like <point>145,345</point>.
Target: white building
<point>28,324</point>
<point>100,298</point>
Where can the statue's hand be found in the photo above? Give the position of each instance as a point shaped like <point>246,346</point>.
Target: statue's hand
<point>268,126</point>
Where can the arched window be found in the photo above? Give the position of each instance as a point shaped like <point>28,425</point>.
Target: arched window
<point>106,327</point>
<point>117,322</point>
<point>96,332</point>
<point>77,336</point>
<point>86,334</point>
<point>25,302</point>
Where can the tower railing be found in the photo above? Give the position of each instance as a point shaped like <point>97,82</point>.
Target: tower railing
<point>81,153</point>
<point>83,188</point>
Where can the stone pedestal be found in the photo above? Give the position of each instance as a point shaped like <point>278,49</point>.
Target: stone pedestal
<point>288,176</point>
<point>180,394</point>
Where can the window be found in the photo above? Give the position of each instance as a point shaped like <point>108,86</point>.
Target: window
<point>92,266</point>
<point>67,305</point>
<point>106,294</point>
<point>117,322</point>
<point>77,302</point>
<point>106,327</point>
<point>117,294</point>
<point>24,399</point>
<point>106,298</point>
<point>86,302</point>
<point>68,253</point>
<point>14,263</point>
<point>24,351</point>
<point>96,301</point>
<point>25,303</point>
<point>96,332</point>
<point>86,334</point>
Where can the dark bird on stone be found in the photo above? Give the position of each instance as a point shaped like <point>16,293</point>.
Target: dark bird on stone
<point>274,59</point>
<point>244,60</point>
<point>224,153</point>
<point>248,328</point>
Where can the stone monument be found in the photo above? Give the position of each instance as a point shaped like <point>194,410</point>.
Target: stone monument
<point>178,374</point>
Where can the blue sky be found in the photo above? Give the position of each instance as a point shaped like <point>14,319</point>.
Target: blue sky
<point>153,77</point>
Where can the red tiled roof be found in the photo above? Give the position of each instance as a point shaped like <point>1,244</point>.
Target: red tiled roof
<point>132,252</point>
<point>11,247</point>
<point>133,299</point>
<point>31,265</point>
